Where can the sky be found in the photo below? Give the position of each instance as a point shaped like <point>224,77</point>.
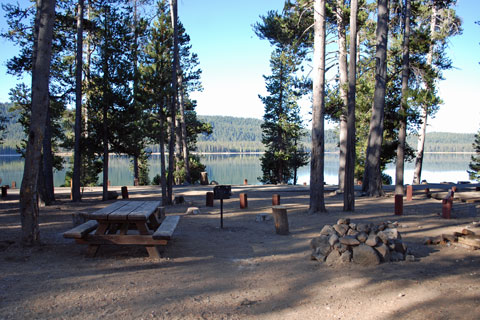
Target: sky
<point>233,61</point>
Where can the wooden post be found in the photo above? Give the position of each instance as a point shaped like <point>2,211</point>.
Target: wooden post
<point>304,183</point>
<point>454,188</point>
<point>135,182</point>
<point>14,185</point>
<point>160,214</point>
<point>243,201</point>
<point>204,178</point>
<point>124,192</point>
<point>108,183</point>
<point>245,182</point>
<point>71,189</point>
<point>427,193</point>
<point>4,191</point>
<point>398,204</point>
<point>446,208</point>
<point>409,192</point>
<point>281,220</point>
<point>275,200</point>
<point>209,201</point>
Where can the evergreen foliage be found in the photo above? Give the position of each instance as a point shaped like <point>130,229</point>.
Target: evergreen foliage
<point>474,172</point>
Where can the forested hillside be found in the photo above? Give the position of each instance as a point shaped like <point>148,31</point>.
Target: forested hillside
<point>14,131</point>
<point>232,134</point>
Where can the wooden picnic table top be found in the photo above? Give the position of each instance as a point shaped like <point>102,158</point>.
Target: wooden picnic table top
<point>126,210</point>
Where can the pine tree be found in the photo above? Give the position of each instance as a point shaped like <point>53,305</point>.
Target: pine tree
<point>474,172</point>
<point>282,127</point>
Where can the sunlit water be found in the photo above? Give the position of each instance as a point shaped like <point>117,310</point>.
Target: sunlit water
<point>234,168</point>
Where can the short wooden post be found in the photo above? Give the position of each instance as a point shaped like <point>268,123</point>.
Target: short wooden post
<point>398,204</point>
<point>204,178</point>
<point>243,201</point>
<point>454,188</point>
<point>71,189</point>
<point>108,183</point>
<point>245,181</point>
<point>124,192</point>
<point>447,208</point>
<point>135,182</point>
<point>275,200</point>
<point>409,192</point>
<point>209,200</point>
<point>304,183</point>
<point>14,185</point>
<point>281,219</point>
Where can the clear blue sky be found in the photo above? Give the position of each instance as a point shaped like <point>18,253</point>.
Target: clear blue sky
<point>234,60</point>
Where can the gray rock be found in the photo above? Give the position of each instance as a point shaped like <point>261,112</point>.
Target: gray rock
<point>333,239</point>
<point>383,252</point>
<point>349,241</point>
<point>381,227</point>
<point>365,255</point>
<point>392,233</point>
<point>352,232</point>
<point>343,221</point>
<point>333,258</point>
<point>410,258</point>
<point>320,245</point>
<point>372,240</point>
<point>341,229</point>
<point>341,247</point>
<point>362,227</point>
<point>327,230</point>
<point>346,257</point>
<point>396,256</point>
<point>261,217</point>
<point>382,236</point>
<point>362,237</point>
<point>317,256</point>
<point>193,211</point>
<point>353,226</point>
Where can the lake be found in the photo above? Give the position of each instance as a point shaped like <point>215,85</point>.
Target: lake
<point>234,168</point>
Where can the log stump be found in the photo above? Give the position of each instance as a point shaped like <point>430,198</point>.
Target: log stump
<point>209,200</point>
<point>243,201</point>
<point>281,220</point>
<point>245,181</point>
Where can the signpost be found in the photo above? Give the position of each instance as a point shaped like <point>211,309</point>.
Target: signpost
<point>222,192</point>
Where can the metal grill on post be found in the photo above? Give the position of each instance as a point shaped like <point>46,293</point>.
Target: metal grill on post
<point>220,193</point>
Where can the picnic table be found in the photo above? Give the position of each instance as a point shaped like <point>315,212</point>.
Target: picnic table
<point>125,223</point>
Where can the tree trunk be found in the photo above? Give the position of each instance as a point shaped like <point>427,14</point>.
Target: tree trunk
<point>173,105</point>
<point>47,163</point>
<point>317,201</point>
<point>178,148</point>
<point>183,125</point>
<point>349,194</point>
<point>402,131</point>
<point>417,174</point>
<point>135,169</point>
<point>372,178</point>
<point>105,131</point>
<point>77,156</point>
<point>163,180</point>
<point>40,102</point>
<point>342,67</point>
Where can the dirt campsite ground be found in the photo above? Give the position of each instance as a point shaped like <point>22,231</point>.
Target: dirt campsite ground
<point>244,271</point>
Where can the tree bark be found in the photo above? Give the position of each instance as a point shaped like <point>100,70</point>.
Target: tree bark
<point>77,156</point>
<point>342,67</point>
<point>402,131</point>
<point>417,174</point>
<point>372,178</point>
<point>47,164</point>
<point>178,148</point>
<point>163,180</point>
<point>183,125</point>
<point>317,201</point>
<point>349,194</point>
<point>29,210</point>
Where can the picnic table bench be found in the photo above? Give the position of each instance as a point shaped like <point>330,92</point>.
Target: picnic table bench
<point>125,223</point>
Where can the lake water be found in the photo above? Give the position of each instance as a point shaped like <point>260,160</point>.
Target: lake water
<point>233,169</point>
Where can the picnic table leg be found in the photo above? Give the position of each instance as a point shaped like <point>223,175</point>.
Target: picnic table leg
<point>93,248</point>
<point>152,250</point>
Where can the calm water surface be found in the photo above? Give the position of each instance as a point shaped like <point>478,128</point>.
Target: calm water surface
<point>233,169</point>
